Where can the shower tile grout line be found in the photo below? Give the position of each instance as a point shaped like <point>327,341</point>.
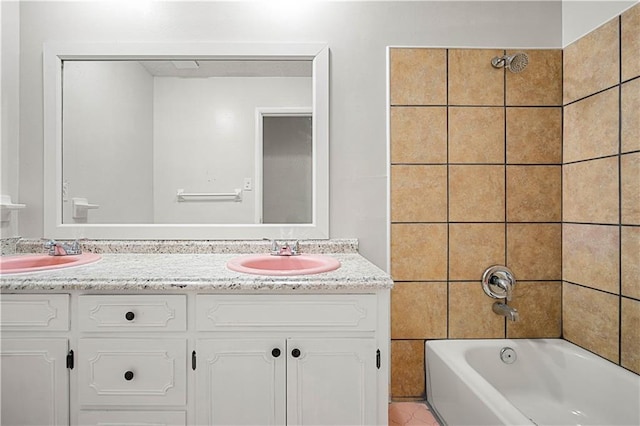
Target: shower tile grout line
<point>481,106</point>
<point>506,207</point>
<point>620,271</point>
<point>562,198</point>
<point>487,164</point>
<point>448,206</point>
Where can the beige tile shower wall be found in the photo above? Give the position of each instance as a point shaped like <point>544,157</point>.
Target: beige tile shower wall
<point>475,181</point>
<point>601,191</point>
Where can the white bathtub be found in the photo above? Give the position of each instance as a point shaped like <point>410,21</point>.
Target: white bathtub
<point>552,382</point>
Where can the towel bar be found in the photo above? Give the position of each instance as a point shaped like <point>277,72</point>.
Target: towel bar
<point>184,196</point>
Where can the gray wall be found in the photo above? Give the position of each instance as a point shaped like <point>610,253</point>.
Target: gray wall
<point>108,140</point>
<point>581,17</point>
<point>205,141</point>
<point>357,34</point>
<point>9,118</point>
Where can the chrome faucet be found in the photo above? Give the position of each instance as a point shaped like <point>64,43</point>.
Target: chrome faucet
<point>506,311</point>
<point>505,285</point>
<point>498,282</point>
<point>284,249</point>
<point>63,249</point>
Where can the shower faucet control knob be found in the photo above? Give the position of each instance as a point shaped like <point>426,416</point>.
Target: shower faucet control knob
<point>498,282</point>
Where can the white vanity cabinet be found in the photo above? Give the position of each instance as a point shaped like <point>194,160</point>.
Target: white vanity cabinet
<point>33,352</point>
<point>287,359</point>
<point>195,358</point>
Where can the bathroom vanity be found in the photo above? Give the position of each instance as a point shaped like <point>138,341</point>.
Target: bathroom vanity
<point>178,338</point>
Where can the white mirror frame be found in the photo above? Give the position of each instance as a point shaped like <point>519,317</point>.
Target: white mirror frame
<point>55,53</point>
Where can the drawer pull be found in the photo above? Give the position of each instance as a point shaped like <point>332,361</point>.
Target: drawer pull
<point>275,353</point>
<point>295,353</point>
<point>128,375</point>
<point>129,316</point>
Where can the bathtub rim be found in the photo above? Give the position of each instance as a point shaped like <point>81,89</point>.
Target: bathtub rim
<point>488,395</point>
<point>455,360</point>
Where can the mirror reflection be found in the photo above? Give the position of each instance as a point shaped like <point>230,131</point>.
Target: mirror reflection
<point>187,142</point>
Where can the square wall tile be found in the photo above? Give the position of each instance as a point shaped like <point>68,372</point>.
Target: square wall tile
<point>418,193</point>
<point>540,84</point>
<point>590,319</point>
<point>630,349</point>
<point>407,368</point>
<point>534,135</point>
<point>630,126</point>
<point>418,135</point>
<point>419,310</point>
<point>476,193</point>
<point>591,127</point>
<point>590,191</point>
<point>590,256</point>
<point>473,247</point>
<point>476,135</point>
<point>418,252</point>
<point>592,62</point>
<point>630,174</point>
<point>534,193</point>
<point>630,261</point>
<point>630,39</point>
<point>470,313</point>
<point>418,76</point>
<point>534,251</point>
<point>539,305</point>
<point>472,78</point>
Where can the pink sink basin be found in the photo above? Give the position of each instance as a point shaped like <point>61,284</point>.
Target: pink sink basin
<point>264,264</point>
<point>43,262</point>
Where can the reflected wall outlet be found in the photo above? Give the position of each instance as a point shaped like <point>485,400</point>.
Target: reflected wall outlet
<point>65,190</point>
<point>247,186</point>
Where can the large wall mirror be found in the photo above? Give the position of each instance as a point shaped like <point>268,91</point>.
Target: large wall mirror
<point>186,141</point>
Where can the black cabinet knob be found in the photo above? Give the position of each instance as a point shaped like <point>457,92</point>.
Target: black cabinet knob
<point>129,316</point>
<point>275,353</point>
<point>128,375</point>
<point>295,353</point>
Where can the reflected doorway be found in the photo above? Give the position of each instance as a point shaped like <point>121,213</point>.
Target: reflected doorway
<point>287,166</point>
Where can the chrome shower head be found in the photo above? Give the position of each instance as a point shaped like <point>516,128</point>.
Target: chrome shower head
<point>514,63</point>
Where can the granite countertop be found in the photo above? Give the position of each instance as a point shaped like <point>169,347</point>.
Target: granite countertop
<point>195,271</point>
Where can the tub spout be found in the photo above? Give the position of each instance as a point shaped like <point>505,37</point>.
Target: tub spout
<point>506,311</point>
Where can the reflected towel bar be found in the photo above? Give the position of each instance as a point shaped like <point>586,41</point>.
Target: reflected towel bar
<point>185,196</point>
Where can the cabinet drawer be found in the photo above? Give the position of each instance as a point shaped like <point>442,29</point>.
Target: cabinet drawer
<point>238,312</point>
<point>137,418</point>
<point>132,371</point>
<point>133,313</point>
<point>34,312</point>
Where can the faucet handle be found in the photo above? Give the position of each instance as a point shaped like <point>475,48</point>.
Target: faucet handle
<point>295,248</point>
<point>498,282</point>
<point>275,247</point>
<point>51,246</point>
<point>75,246</point>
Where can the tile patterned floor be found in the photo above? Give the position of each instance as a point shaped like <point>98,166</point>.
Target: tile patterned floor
<point>410,414</point>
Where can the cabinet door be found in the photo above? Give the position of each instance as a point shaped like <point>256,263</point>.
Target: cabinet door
<point>35,382</point>
<point>240,382</point>
<point>331,382</point>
